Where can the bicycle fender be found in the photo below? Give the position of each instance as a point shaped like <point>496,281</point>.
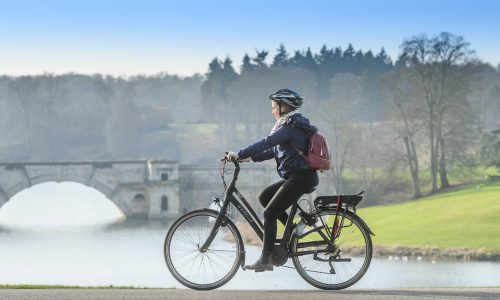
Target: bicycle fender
<point>364,224</point>
<point>350,213</point>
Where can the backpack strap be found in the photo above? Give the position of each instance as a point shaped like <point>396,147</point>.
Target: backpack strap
<point>308,134</point>
<point>301,153</point>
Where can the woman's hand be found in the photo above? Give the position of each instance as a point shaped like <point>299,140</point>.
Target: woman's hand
<point>232,155</point>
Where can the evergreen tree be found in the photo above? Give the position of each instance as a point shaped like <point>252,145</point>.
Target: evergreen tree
<point>337,54</point>
<point>260,58</point>
<point>229,74</point>
<point>326,69</point>
<point>382,61</point>
<point>358,62</point>
<point>310,62</point>
<point>247,65</point>
<point>348,54</point>
<point>227,77</point>
<point>281,58</point>
<point>337,60</point>
<point>305,60</point>
<point>297,58</point>
<point>214,68</point>
<point>325,56</point>
<point>212,89</point>
<point>368,59</point>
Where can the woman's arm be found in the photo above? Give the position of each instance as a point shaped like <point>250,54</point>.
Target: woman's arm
<point>264,155</point>
<point>280,136</point>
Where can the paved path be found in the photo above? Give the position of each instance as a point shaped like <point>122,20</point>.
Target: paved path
<point>176,294</point>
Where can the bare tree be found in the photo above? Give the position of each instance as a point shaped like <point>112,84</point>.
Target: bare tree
<point>337,114</point>
<point>495,93</point>
<point>398,88</point>
<point>443,65</point>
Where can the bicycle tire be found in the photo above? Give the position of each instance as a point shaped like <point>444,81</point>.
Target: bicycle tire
<point>183,240</point>
<point>354,243</point>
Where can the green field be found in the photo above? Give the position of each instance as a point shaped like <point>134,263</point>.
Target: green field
<point>466,218</point>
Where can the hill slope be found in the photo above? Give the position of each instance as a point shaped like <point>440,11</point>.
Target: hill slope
<point>467,218</point>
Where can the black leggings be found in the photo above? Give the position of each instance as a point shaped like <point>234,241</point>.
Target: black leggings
<point>278,197</point>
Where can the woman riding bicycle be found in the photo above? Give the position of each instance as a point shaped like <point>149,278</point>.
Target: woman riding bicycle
<point>289,134</point>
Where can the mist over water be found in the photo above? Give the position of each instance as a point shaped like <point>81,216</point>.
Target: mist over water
<point>59,234</point>
<point>58,206</point>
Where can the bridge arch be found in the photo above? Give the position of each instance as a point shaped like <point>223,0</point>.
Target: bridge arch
<point>59,204</point>
<point>119,181</point>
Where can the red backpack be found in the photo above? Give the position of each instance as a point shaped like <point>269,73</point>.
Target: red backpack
<point>318,155</point>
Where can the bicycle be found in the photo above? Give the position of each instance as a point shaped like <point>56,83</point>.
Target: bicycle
<point>330,246</point>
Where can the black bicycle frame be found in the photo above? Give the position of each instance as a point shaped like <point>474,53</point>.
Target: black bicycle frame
<point>245,209</point>
<point>249,214</point>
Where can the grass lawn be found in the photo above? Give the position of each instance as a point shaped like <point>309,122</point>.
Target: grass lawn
<point>467,218</point>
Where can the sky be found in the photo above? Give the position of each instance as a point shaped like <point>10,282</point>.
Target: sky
<point>124,38</point>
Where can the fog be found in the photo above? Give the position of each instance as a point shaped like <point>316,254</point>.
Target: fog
<point>366,103</point>
<point>55,206</point>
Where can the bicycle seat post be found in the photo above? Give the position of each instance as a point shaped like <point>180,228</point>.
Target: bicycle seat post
<point>289,226</point>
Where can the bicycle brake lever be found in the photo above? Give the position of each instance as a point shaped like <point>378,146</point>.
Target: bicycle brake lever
<point>225,157</point>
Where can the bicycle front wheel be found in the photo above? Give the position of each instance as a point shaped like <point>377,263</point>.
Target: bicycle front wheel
<point>202,270</point>
<point>333,267</point>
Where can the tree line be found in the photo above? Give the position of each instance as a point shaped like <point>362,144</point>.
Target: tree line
<point>78,117</point>
<point>432,100</point>
<point>394,125</point>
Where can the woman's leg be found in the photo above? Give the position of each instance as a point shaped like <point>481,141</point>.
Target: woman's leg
<point>268,193</point>
<point>287,194</point>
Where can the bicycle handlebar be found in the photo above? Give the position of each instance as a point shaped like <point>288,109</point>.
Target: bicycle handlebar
<point>230,188</point>
<point>236,162</point>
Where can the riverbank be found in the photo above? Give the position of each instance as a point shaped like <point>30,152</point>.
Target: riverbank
<point>415,253</point>
<point>405,252</point>
<point>435,254</point>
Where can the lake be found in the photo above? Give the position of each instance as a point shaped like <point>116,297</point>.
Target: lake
<point>56,234</point>
<point>133,256</point>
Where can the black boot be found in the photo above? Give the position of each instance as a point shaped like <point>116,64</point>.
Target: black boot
<point>264,263</point>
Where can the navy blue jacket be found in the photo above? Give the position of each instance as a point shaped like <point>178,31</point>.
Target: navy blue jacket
<point>294,130</point>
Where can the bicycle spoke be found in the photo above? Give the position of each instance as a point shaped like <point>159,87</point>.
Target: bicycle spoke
<point>193,267</point>
<point>219,250</point>
<point>352,242</point>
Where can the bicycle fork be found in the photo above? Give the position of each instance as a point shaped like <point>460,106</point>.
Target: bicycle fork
<point>220,221</point>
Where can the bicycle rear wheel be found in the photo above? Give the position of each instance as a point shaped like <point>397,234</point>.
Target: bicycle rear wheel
<point>337,267</point>
<point>202,270</point>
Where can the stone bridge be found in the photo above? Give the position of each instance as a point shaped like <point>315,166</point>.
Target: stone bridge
<point>147,189</point>
<point>140,188</point>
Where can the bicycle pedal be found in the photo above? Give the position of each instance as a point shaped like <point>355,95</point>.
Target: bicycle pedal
<point>263,270</point>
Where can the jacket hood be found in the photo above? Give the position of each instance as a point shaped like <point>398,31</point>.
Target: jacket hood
<point>299,121</point>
